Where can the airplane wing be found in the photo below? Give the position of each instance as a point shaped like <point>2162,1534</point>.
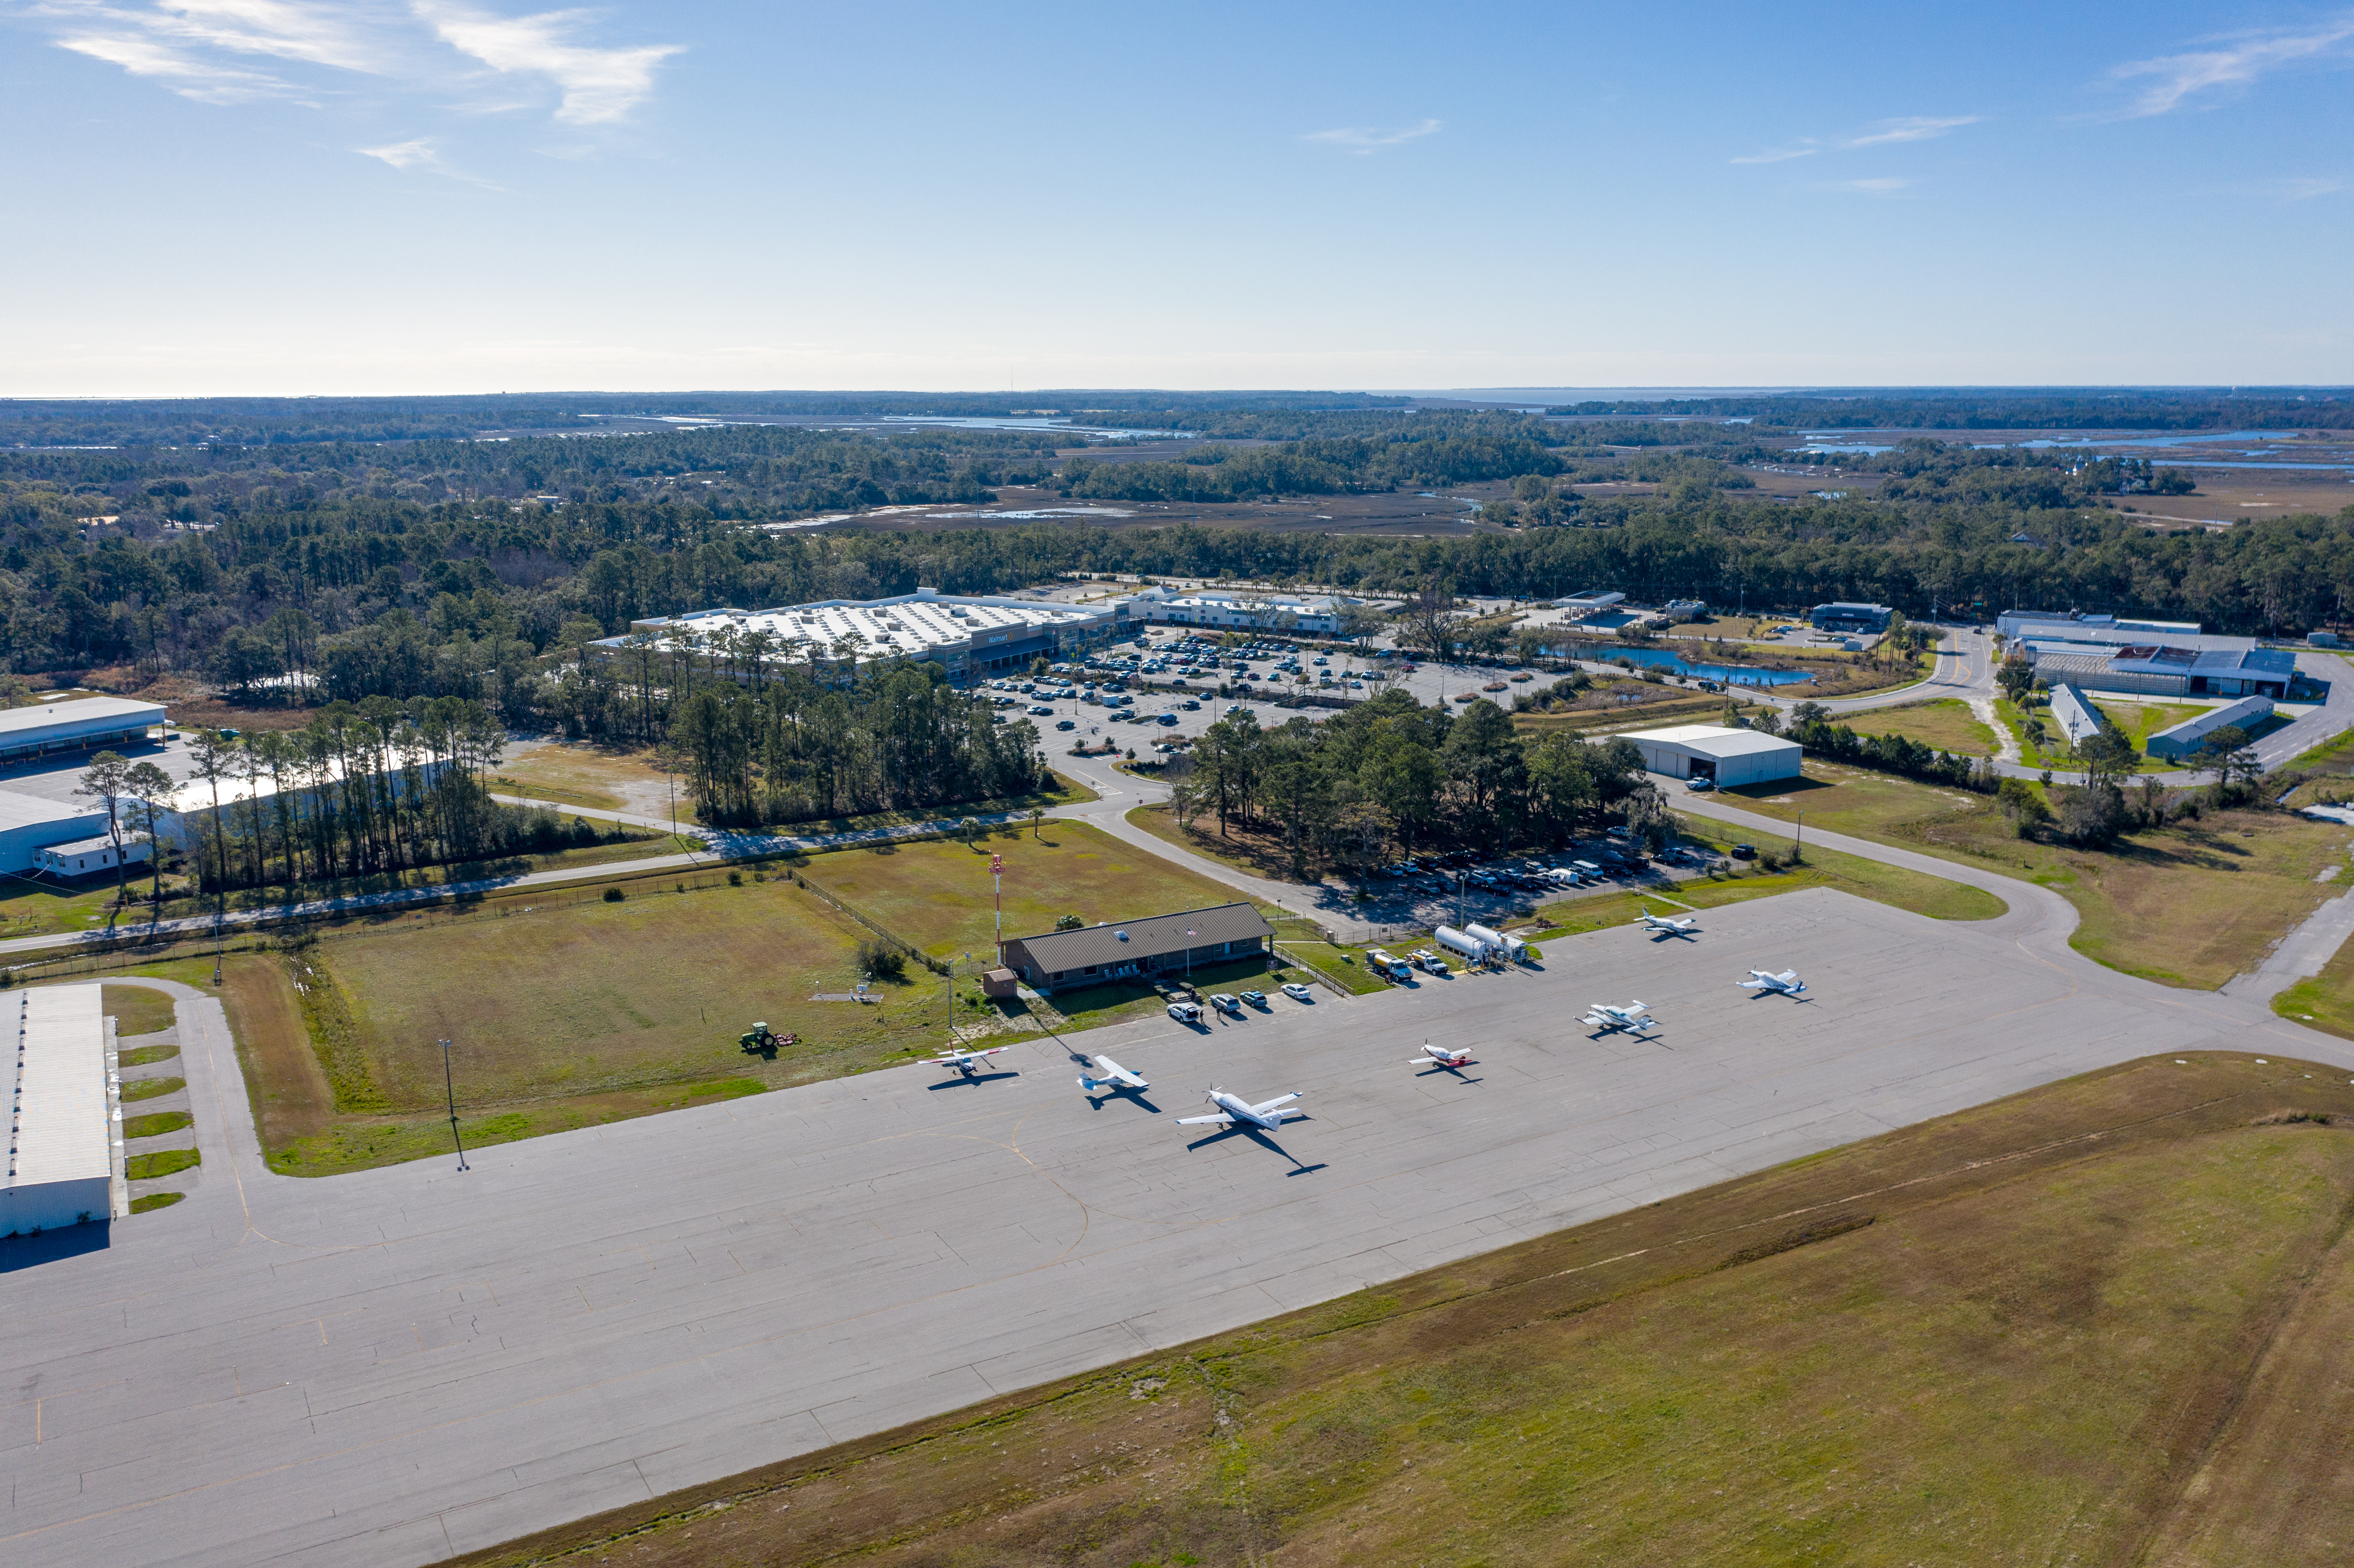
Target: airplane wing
<point>1789,977</point>
<point>1752,984</point>
<point>1279,1099</point>
<point>1199,1120</point>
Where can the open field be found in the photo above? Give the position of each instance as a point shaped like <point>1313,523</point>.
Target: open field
<point>2097,1322</point>
<point>937,895</point>
<point>565,1012</point>
<point>135,1009</point>
<point>2191,905</point>
<point>568,1011</point>
<point>1948,723</point>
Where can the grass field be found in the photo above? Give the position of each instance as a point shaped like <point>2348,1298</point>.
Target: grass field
<point>163,1162</point>
<point>2098,1323</point>
<point>136,1010</point>
<point>1948,724</point>
<point>140,1057</point>
<point>151,1088</point>
<point>939,894</point>
<point>2191,905</point>
<point>566,1011</point>
<point>1243,847</point>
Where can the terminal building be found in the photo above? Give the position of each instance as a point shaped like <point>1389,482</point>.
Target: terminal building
<point>65,1129</point>
<point>1158,945</point>
<point>2150,658</point>
<point>1728,757</point>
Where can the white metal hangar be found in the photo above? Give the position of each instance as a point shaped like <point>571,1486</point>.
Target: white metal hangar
<point>65,1136</point>
<point>1728,757</point>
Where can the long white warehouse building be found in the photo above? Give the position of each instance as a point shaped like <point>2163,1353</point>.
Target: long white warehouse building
<point>65,1132</point>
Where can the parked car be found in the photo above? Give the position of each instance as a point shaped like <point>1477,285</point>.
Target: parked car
<point>1185,1011</point>
<point>1700,785</point>
<point>1297,992</point>
<point>1066,723</point>
<point>1256,998</point>
<point>1225,1003</point>
<point>1744,852</point>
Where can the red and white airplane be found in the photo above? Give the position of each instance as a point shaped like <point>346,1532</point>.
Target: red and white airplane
<point>964,1061</point>
<point>1439,1056</point>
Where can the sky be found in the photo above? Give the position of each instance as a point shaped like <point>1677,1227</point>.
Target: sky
<point>283,197</point>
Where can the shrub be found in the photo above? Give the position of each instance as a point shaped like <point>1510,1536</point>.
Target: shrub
<point>1068,923</point>
<point>882,960</point>
<point>735,879</point>
<point>612,896</point>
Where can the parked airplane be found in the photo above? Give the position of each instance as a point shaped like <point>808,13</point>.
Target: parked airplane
<point>1439,1056</point>
<point>1234,1111</point>
<point>964,1061</point>
<point>1788,982</point>
<point>1634,1015</point>
<point>1115,1078</point>
<point>1683,927</point>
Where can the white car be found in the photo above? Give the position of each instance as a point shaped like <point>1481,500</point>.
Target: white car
<point>1185,1011</point>
<point>1297,992</point>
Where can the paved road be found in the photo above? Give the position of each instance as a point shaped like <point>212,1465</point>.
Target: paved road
<point>388,1367</point>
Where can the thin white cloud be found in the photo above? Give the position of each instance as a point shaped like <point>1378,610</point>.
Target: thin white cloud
<point>190,76</point>
<point>1879,133</point>
<point>1364,139</point>
<point>597,85</point>
<point>2199,79</point>
<point>1802,148</point>
<point>207,50</point>
<point>1912,128</point>
<point>416,154</point>
<point>2306,188</point>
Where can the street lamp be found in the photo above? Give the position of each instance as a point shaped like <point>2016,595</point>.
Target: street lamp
<point>449,1087</point>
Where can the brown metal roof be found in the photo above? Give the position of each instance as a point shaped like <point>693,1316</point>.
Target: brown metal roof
<point>1059,952</point>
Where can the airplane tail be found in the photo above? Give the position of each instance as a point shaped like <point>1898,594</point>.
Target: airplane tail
<point>1090,1084</point>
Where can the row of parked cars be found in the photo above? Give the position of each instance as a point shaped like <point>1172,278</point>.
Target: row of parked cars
<point>1186,1011</point>
<point>1598,861</point>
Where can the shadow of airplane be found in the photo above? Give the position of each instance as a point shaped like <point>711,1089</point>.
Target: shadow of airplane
<point>1456,1072</point>
<point>974,1078</point>
<point>1259,1136</point>
<point>1097,1101</point>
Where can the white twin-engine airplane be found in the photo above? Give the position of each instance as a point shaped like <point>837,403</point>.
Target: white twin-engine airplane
<point>1115,1078</point>
<point>1788,982</point>
<point>1234,1111</point>
<point>964,1061</point>
<point>1440,1056</point>
<point>1686,927</point>
<point>1634,1015</point>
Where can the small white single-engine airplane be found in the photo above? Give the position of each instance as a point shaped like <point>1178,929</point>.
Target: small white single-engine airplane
<point>1788,982</point>
<point>964,1061</point>
<point>1234,1111</point>
<point>1115,1078</point>
<point>1440,1056</point>
<point>1634,1015</point>
<point>1686,927</point>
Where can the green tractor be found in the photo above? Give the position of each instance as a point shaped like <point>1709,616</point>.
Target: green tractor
<point>761,1041</point>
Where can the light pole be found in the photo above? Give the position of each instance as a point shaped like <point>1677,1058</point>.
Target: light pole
<point>449,1087</point>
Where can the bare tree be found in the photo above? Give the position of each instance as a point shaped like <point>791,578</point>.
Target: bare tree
<point>104,781</point>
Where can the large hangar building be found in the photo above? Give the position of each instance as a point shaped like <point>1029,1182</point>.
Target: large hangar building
<point>974,637</point>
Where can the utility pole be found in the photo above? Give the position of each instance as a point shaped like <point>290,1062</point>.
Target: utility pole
<point>1798,853</point>
<point>449,1087</point>
<point>997,876</point>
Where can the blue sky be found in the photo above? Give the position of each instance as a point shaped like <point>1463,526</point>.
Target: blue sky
<point>444,195</point>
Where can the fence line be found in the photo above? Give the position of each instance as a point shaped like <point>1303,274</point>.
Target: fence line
<point>936,966</point>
